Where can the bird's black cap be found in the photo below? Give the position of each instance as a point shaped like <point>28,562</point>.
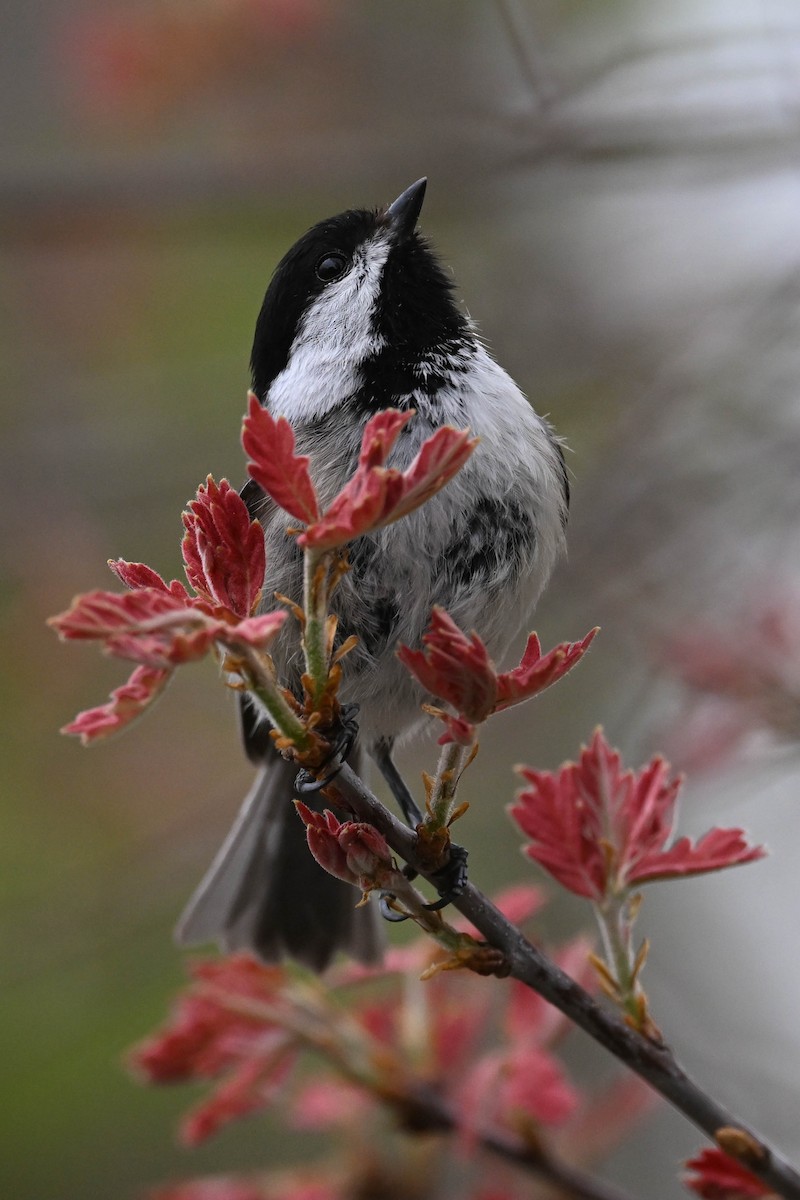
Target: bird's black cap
<point>413,312</point>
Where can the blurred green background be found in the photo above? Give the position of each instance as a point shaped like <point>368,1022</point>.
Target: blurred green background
<point>616,188</point>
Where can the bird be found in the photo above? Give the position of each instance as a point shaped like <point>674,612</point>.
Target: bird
<point>360,315</point>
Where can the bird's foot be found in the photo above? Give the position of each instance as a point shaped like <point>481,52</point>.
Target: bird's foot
<point>449,881</point>
<point>307,783</point>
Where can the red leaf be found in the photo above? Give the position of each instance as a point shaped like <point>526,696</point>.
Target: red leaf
<point>454,667</point>
<point>217,1187</point>
<point>273,464</point>
<point>254,1084</point>
<point>595,826</point>
<point>368,853</point>
<point>100,614</point>
<point>138,575</point>
<point>325,1103</point>
<point>226,1025</point>
<point>456,730</point>
<point>537,671</point>
<point>717,1176</point>
<point>148,626</point>
<point>323,842</point>
<point>127,703</point>
<point>255,631</point>
<point>564,834</point>
<point>376,494</point>
<point>536,1085</point>
<point>439,459</point>
<point>520,1079</point>
<point>363,505</point>
<point>380,434</point>
<point>717,849</point>
<point>351,850</point>
<point>223,549</point>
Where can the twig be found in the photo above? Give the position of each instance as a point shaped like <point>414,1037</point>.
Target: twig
<point>653,1061</point>
<point>541,86</point>
<point>419,1107</point>
<point>429,1111</point>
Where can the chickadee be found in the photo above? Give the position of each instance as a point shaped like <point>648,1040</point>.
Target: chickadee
<point>360,316</point>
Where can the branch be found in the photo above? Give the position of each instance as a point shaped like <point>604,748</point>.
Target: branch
<point>541,86</point>
<point>653,1061</point>
<point>418,1107</point>
<point>428,1111</point>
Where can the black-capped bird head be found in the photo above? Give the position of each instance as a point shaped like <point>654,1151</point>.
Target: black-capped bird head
<point>359,301</point>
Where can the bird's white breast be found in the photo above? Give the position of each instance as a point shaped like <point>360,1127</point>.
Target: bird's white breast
<point>336,334</point>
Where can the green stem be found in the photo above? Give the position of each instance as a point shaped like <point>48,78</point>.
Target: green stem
<point>442,799</point>
<point>315,607</point>
<point>283,717</point>
<point>616,929</point>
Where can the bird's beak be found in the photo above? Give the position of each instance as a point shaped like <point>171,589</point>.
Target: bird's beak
<point>402,216</point>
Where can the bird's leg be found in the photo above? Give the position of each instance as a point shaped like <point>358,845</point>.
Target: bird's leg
<point>306,784</point>
<point>451,879</point>
<point>381,752</point>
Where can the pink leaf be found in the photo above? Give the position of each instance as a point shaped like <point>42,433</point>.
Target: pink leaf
<point>717,1176</point>
<point>138,575</point>
<point>595,826</point>
<point>376,494</point>
<point>223,549</point>
<point>537,671</point>
<point>522,1078</point>
<point>363,505</point>
<point>456,730</point>
<point>101,614</point>
<point>454,667</point>
<point>717,849</point>
<point>439,459</point>
<point>126,704</point>
<point>380,434</point>
<point>322,835</point>
<point>325,1103</point>
<point>218,1187</point>
<point>536,1085</point>
<point>351,850</point>
<point>148,626</point>
<point>564,836</point>
<point>253,1085</point>
<point>255,631</point>
<point>273,464</point>
<point>226,1026</point>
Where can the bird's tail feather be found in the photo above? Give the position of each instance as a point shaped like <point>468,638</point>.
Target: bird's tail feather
<point>265,893</point>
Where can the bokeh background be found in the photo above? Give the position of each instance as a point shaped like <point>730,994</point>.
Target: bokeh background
<point>617,188</point>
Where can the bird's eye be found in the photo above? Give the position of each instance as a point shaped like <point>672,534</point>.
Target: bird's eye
<point>330,267</point>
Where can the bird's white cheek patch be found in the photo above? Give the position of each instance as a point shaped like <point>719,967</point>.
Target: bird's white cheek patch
<point>336,335</point>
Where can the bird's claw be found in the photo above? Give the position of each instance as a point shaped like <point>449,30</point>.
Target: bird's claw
<point>307,784</point>
<point>451,879</point>
<point>387,912</point>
